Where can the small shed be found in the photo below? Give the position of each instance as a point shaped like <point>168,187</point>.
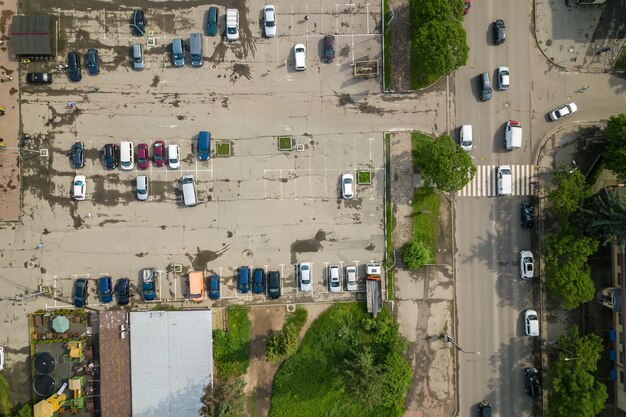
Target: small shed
<point>33,37</point>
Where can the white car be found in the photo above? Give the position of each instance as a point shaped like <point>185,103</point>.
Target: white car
<point>527,264</point>
<point>80,187</point>
<point>351,279</point>
<point>334,281</point>
<point>503,78</point>
<point>299,55</point>
<point>304,271</point>
<point>143,188</point>
<point>563,111</point>
<point>531,323</point>
<point>232,24</point>
<point>173,156</point>
<point>269,20</point>
<point>1,358</point>
<point>347,186</point>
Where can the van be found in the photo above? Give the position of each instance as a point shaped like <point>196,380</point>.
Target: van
<point>178,52</point>
<point>196,286</point>
<point>465,139</point>
<point>195,49</point>
<point>137,57</point>
<point>211,21</point>
<point>142,187</point>
<point>504,180</point>
<point>204,145</point>
<point>513,135</point>
<point>485,87</point>
<point>190,198</point>
<point>126,156</point>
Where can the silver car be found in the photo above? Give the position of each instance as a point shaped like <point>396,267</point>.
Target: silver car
<point>304,272</point>
<point>503,78</point>
<point>563,111</point>
<point>269,20</point>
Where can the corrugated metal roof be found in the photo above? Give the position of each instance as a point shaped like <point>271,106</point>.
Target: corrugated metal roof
<point>171,362</point>
<point>32,35</point>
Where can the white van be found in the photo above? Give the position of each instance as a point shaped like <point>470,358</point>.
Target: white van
<point>465,139</point>
<point>505,180</point>
<point>513,135</point>
<point>126,156</point>
<point>173,156</point>
<point>190,198</point>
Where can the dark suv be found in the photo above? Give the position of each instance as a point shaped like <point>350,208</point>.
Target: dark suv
<point>78,155</point>
<point>80,292</point>
<point>93,67</point>
<point>123,291</point>
<point>138,23</point>
<point>73,66</point>
<point>498,31</point>
<point>109,156</point>
<point>533,383</point>
<point>528,215</point>
<point>273,283</point>
<point>484,409</point>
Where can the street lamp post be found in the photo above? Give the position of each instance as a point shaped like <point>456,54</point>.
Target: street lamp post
<point>447,338</point>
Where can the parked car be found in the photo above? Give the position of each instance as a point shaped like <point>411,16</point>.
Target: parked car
<point>347,186</point>
<point>269,21</point>
<point>563,111</point>
<point>109,156</point>
<point>533,382</point>
<point>299,55</point>
<point>304,274</point>
<point>39,78</point>
<point>80,187</point>
<point>80,292</point>
<point>138,23</point>
<point>105,290</point>
<point>92,62</point>
<point>258,281</point>
<point>143,156</point>
<point>485,86</point>
<point>214,287</point>
<point>122,287</point>
<point>137,54</point>
<point>143,187</point>
<point>498,31</point>
<point>329,48</point>
<point>527,215</point>
<point>274,284</point>
<point>204,145</point>
<point>351,278</point>
<point>527,264</point>
<point>531,323</point>
<point>158,153</point>
<point>484,409</point>
<point>503,78</point>
<point>334,281</point>
<point>244,279</point>
<point>148,278</point>
<point>73,66</point>
<point>232,24</point>
<point>173,156</point>
<point>78,155</point>
<point>1,358</point>
<point>212,19</point>
<point>466,6</point>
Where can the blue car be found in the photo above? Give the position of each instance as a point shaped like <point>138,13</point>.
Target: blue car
<point>258,281</point>
<point>106,289</point>
<point>244,279</point>
<point>80,292</point>
<point>211,21</point>
<point>214,287</point>
<point>204,146</point>
<point>73,66</point>
<point>92,62</point>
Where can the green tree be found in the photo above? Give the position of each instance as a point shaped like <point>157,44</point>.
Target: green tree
<point>567,273</point>
<point>362,377</point>
<point>437,10</point>
<point>415,255</point>
<point>615,152</point>
<point>605,217</point>
<point>570,192</point>
<point>443,162</point>
<point>280,344</point>
<point>224,399</point>
<point>397,375</point>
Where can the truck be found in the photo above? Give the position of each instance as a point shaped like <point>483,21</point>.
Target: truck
<point>373,287</point>
<point>232,24</point>
<point>148,288</point>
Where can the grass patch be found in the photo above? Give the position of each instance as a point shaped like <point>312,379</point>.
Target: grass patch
<point>593,176</point>
<point>312,382</point>
<point>231,350</point>
<point>426,218</point>
<point>284,343</point>
<point>364,177</point>
<point>387,47</point>
<point>5,402</point>
<point>419,80</point>
<point>285,143</point>
<point>390,222</point>
<point>620,64</point>
<point>296,320</point>
<point>223,149</point>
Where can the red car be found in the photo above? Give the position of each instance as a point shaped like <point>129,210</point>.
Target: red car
<point>143,156</point>
<point>466,6</point>
<point>158,153</point>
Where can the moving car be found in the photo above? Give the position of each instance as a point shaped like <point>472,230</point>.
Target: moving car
<point>244,279</point>
<point>466,6</point>
<point>503,78</point>
<point>531,323</point>
<point>504,180</point>
<point>563,111</point>
<point>93,68</point>
<point>148,278</point>
<point>80,292</point>
<point>528,215</point>
<point>73,66</point>
<point>143,187</point>
<point>123,291</point>
<point>1,358</point>
<point>39,78</point>
<point>269,21</point>
<point>299,54</point>
<point>533,382</point>
<point>485,86</point>
<point>211,22</point>
<point>173,156</point>
<point>109,156</point>
<point>329,48</point>
<point>80,187</point>
<point>143,156</point>
<point>158,153</point>
<point>484,409</point>
<point>334,281</point>
<point>274,284</point>
<point>304,274</point>
<point>347,186</point>
<point>138,23</point>
<point>232,24</point>
<point>466,140</point>
<point>78,155</point>
<point>105,285</point>
<point>527,264</point>
<point>258,281</point>
<point>214,287</point>
<point>498,32</point>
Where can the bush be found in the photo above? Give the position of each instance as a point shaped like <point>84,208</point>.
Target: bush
<point>284,343</point>
<point>231,349</point>
<point>415,255</point>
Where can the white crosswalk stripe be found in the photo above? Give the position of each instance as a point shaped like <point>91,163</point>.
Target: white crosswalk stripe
<point>484,182</point>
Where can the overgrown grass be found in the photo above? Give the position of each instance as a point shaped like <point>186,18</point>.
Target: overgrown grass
<point>620,64</point>
<point>5,402</point>
<point>312,382</point>
<point>389,218</point>
<point>285,143</point>
<point>387,46</point>
<point>426,218</point>
<point>223,149</point>
<point>231,350</point>
<point>296,320</point>
<point>364,177</point>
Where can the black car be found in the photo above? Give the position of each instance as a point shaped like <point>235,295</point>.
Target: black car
<point>138,23</point>
<point>123,291</point>
<point>498,31</point>
<point>528,215</point>
<point>484,409</point>
<point>258,281</point>
<point>273,284</point>
<point>78,155</point>
<point>92,62</point>
<point>109,156</point>
<point>39,78</point>
<point>73,66</point>
<point>80,292</point>
<point>533,383</point>
<point>329,48</point>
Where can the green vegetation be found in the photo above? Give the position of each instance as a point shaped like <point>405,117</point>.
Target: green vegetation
<point>442,161</point>
<point>389,220</point>
<point>615,151</point>
<point>605,217</point>
<point>364,177</point>
<point>285,143</point>
<point>6,409</point>
<point>223,149</point>
<point>284,342</point>
<point>620,64</point>
<point>574,388</point>
<point>426,221</point>
<point>231,349</point>
<point>224,399</point>
<point>387,45</point>
<point>438,40</point>
<point>415,255</point>
<point>325,376</point>
<point>571,192</point>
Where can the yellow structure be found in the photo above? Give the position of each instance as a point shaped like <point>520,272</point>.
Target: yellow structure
<point>76,349</point>
<point>46,408</point>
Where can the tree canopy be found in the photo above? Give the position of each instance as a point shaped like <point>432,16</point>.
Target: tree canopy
<point>224,399</point>
<point>443,162</point>
<point>415,255</point>
<point>605,217</point>
<point>615,152</point>
<point>570,192</point>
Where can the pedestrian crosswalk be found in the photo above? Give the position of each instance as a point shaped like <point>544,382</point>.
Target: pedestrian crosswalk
<point>484,182</point>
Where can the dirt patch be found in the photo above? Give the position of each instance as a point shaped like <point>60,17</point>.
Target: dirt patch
<point>400,31</point>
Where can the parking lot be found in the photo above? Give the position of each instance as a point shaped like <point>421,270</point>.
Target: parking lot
<point>259,207</point>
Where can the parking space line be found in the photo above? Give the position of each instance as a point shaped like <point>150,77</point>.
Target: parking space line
<point>310,177</point>
<point>325,173</point>
<point>367,14</point>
